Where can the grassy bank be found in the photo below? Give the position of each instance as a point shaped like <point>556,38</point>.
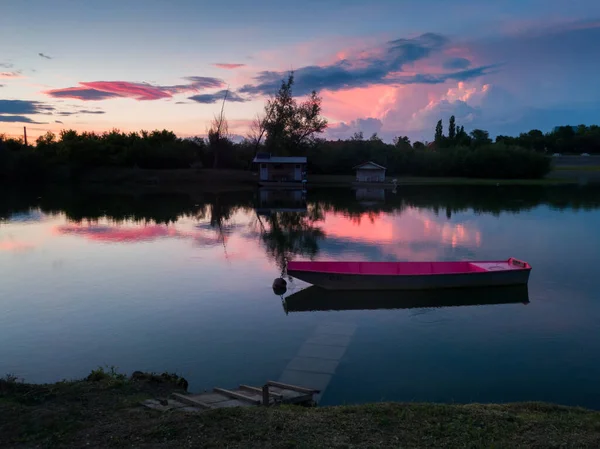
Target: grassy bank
<point>343,180</point>
<point>582,168</point>
<point>210,180</point>
<point>103,412</point>
<point>218,180</point>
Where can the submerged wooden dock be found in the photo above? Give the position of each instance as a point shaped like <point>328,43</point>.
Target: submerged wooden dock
<point>272,393</point>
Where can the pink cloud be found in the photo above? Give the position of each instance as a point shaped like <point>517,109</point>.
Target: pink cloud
<point>346,105</point>
<point>102,90</point>
<point>80,93</point>
<point>137,91</point>
<point>228,66</point>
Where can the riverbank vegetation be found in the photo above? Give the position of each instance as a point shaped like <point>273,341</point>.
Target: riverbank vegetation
<point>291,127</point>
<point>103,411</point>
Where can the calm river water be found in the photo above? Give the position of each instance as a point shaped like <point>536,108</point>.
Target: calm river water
<point>182,282</point>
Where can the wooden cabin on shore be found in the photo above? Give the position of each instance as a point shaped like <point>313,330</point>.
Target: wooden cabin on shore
<point>370,172</point>
<point>280,169</point>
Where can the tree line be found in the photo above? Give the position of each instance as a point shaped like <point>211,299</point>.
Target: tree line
<point>287,126</point>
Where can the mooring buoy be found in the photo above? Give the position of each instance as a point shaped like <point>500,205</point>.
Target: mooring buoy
<point>279,286</point>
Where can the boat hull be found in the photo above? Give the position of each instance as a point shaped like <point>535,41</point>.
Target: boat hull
<point>356,281</point>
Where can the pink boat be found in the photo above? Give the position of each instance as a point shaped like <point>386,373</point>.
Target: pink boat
<point>410,275</point>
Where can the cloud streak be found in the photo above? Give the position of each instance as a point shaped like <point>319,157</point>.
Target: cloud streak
<point>24,107</point>
<point>42,55</point>
<point>228,66</point>
<point>218,96</point>
<point>381,66</point>
<point>81,93</point>
<point>11,75</point>
<point>103,90</point>
<point>18,119</point>
<point>83,111</point>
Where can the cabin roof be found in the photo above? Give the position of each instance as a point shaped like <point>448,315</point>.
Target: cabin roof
<point>268,159</point>
<point>369,165</point>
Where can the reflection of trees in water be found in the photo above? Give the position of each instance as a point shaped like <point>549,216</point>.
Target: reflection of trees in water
<point>288,234</point>
<point>156,207</point>
<point>357,217</point>
<point>453,199</point>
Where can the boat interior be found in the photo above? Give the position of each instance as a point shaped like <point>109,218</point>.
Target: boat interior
<point>402,268</point>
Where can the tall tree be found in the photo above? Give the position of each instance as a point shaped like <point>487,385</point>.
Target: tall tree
<point>218,133</point>
<point>289,125</point>
<point>439,131</point>
<point>462,138</point>
<point>452,129</point>
<point>258,129</point>
<point>480,137</point>
<point>402,142</point>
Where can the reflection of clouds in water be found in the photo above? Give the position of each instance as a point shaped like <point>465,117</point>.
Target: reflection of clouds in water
<point>411,235</point>
<point>15,246</point>
<point>454,234</point>
<point>129,234</point>
<point>364,227</point>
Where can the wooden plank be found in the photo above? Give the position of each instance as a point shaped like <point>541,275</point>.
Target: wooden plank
<point>191,401</point>
<point>232,403</point>
<point>292,387</point>
<point>237,395</point>
<point>259,391</point>
<point>209,398</point>
<point>265,394</point>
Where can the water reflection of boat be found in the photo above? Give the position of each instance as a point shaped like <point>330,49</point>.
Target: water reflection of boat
<point>318,299</point>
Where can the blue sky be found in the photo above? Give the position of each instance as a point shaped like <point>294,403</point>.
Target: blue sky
<point>392,67</point>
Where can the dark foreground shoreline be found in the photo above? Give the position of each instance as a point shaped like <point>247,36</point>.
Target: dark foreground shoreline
<point>211,180</point>
<point>103,411</point>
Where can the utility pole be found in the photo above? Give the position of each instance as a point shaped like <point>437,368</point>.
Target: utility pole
<point>25,135</point>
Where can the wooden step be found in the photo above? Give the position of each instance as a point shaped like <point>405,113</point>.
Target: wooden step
<point>259,391</point>
<point>237,395</point>
<point>190,400</point>
<point>293,387</point>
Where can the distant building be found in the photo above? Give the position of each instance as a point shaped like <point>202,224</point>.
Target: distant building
<point>280,168</point>
<point>370,172</point>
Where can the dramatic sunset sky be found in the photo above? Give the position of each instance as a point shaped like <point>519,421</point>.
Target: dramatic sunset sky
<point>388,66</point>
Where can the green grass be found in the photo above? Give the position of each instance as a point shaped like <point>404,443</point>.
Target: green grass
<point>593,168</point>
<point>104,413</point>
